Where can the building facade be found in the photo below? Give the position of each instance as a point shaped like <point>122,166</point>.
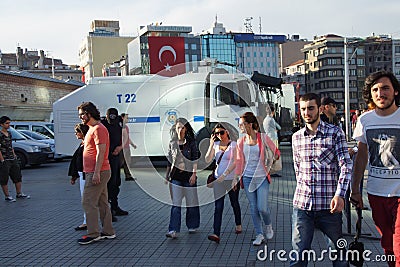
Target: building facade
<point>396,58</point>
<point>167,50</point>
<point>324,70</point>
<point>38,63</point>
<point>244,52</point>
<point>102,45</point>
<point>258,52</point>
<point>26,96</point>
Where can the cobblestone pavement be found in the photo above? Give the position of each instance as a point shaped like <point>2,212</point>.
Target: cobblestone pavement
<point>40,231</point>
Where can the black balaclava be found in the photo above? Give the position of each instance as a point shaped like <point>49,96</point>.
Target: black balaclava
<point>112,116</point>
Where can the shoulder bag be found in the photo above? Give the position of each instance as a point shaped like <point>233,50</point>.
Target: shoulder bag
<point>272,164</point>
<point>211,178</point>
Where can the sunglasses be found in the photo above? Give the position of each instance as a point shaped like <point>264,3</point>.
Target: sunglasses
<point>219,133</point>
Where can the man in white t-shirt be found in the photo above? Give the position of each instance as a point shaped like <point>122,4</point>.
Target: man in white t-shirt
<point>378,135</point>
<point>271,127</point>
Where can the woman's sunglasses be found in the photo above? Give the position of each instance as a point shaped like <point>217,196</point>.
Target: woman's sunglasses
<point>219,133</point>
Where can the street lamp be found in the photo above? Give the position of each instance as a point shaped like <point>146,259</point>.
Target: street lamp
<point>346,91</point>
<point>347,83</point>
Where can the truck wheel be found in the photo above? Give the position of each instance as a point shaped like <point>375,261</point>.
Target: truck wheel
<point>22,161</point>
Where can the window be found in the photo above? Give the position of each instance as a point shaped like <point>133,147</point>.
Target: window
<point>248,54</point>
<point>261,54</point>
<point>21,127</point>
<point>41,129</point>
<point>193,46</point>
<point>255,64</point>
<point>186,46</point>
<point>225,94</point>
<point>255,54</point>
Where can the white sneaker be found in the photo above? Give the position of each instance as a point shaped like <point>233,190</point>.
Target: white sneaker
<point>10,199</point>
<point>171,234</point>
<point>269,233</point>
<point>259,240</point>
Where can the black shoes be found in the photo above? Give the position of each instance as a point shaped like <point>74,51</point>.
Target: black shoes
<point>120,212</point>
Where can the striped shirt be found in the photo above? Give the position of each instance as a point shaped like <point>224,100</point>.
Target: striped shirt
<point>318,159</point>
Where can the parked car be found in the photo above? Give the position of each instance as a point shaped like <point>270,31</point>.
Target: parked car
<point>46,128</point>
<point>30,152</point>
<point>43,139</point>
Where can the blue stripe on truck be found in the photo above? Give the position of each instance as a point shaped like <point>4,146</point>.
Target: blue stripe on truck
<point>143,119</point>
<point>198,118</point>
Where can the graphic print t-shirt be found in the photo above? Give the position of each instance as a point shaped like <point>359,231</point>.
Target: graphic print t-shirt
<point>382,136</point>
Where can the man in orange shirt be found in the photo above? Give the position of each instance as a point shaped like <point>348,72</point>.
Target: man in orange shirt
<point>97,173</point>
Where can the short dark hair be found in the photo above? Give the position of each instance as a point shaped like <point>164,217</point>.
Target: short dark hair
<point>123,115</point>
<point>272,108</point>
<point>3,119</point>
<point>81,128</point>
<point>90,108</point>
<point>311,96</point>
<point>249,117</point>
<point>327,100</point>
<point>371,81</point>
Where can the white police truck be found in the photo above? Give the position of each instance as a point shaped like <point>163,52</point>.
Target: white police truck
<point>153,103</point>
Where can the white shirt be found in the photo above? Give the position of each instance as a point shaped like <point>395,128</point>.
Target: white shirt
<point>271,127</point>
<point>382,136</point>
<point>225,161</point>
<point>253,167</point>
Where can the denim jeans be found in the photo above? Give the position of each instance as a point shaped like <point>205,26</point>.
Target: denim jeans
<point>258,200</point>
<point>179,190</point>
<point>303,226</point>
<point>219,194</point>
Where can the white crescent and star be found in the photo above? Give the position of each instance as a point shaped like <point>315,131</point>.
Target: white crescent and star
<point>162,50</point>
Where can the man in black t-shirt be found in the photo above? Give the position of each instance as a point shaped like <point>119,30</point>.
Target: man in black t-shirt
<point>329,111</point>
<point>114,126</point>
<point>9,166</point>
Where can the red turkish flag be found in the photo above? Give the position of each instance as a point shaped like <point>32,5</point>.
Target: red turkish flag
<point>167,55</point>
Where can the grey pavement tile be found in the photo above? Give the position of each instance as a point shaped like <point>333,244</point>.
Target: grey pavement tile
<point>41,230</point>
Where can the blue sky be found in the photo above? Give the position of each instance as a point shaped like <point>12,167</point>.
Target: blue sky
<point>59,26</point>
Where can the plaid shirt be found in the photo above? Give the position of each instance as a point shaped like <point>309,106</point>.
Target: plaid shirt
<point>318,160</point>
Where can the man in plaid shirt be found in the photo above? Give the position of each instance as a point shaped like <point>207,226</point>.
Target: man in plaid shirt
<point>323,170</point>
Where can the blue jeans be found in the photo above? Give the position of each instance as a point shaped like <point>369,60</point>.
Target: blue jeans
<point>179,190</point>
<point>219,194</point>
<point>303,226</point>
<point>258,201</point>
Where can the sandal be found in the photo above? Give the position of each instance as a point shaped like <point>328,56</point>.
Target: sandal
<point>214,238</point>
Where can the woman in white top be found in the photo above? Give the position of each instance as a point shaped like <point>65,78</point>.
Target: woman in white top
<point>225,178</point>
<point>250,165</point>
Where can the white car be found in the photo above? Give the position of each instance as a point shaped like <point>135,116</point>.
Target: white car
<point>42,139</point>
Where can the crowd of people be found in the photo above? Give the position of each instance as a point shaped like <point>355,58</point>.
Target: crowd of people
<point>323,167</point>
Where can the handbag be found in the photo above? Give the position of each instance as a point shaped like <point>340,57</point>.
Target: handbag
<point>272,164</point>
<point>211,178</point>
